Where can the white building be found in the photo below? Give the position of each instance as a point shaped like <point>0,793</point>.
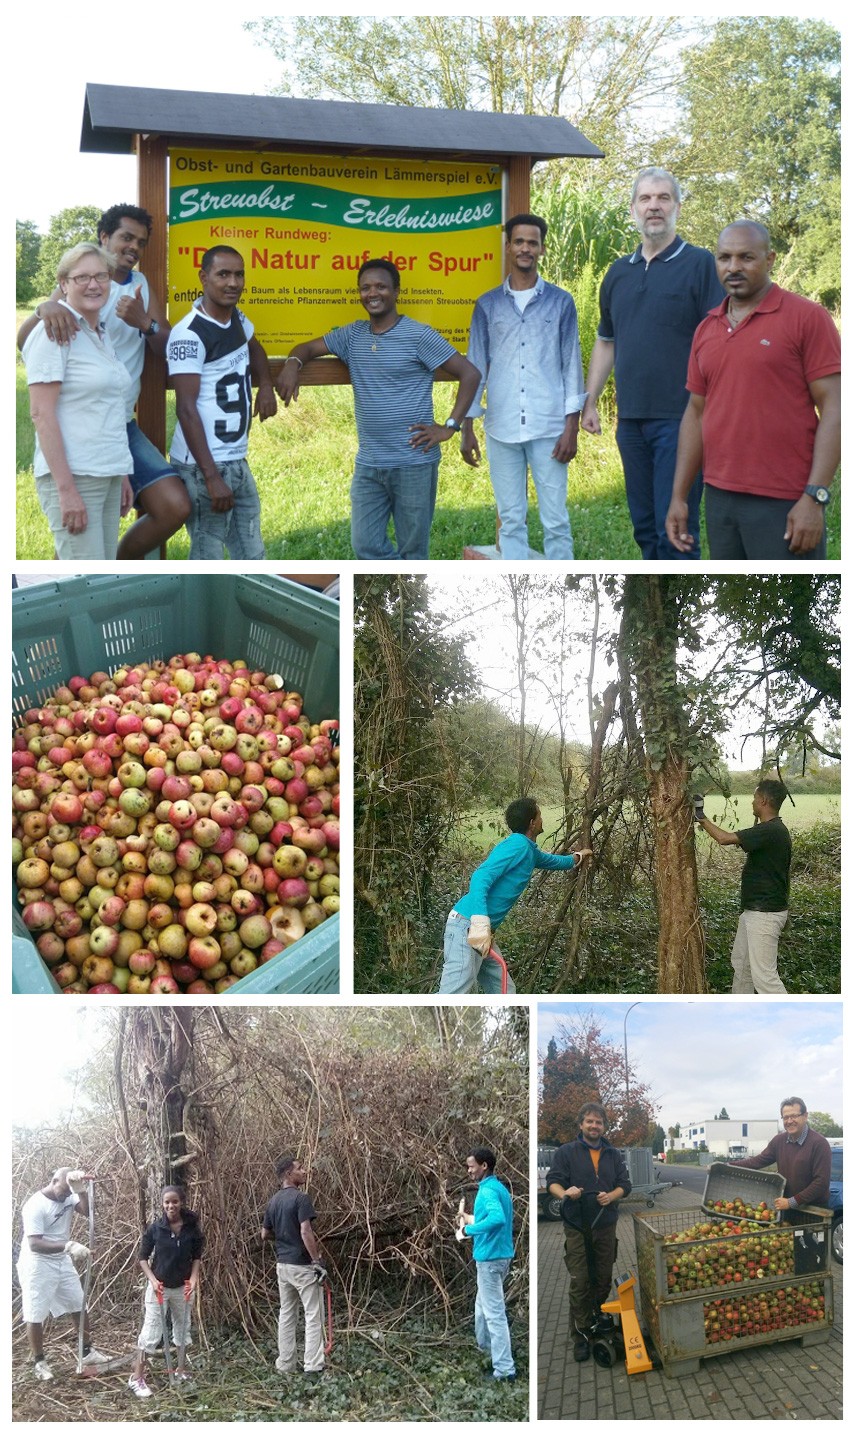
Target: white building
<point>725,1137</point>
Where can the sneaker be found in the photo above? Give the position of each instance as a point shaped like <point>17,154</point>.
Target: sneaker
<point>138,1386</point>
<point>581,1348</point>
<point>94,1357</point>
<point>489,1376</point>
<point>182,1376</point>
<point>42,1371</point>
<point>313,1375</point>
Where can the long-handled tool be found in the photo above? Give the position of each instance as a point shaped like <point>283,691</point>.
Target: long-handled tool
<point>496,956</point>
<point>87,1280</point>
<point>166,1336</point>
<point>180,1373</point>
<point>323,1279</point>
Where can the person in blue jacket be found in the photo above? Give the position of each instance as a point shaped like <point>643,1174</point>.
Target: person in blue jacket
<point>494,888</point>
<point>490,1226</point>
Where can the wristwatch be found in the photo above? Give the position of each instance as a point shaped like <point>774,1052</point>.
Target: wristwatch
<point>452,424</point>
<point>819,493</point>
<point>153,329</point>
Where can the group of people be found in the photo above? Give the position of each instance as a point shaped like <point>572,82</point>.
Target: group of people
<point>722,378</point>
<point>171,1251</point>
<point>590,1177</point>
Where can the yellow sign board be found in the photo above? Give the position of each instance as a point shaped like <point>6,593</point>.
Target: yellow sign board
<point>305,223</point>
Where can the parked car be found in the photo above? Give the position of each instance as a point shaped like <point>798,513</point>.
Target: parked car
<point>548,1206</point>
<point>836,1201</point>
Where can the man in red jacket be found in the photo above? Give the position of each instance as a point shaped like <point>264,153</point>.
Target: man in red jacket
<point>801,1155</point>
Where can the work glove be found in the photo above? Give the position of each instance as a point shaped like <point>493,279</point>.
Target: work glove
<point>698,807</point>
<point>320,1271</point>
<point>78,1181</point>
<point>77,1251</point>
<point>459,1222</point>
<point>479,934</point>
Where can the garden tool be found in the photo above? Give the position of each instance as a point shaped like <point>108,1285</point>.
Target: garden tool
<point>322,1277</point>
<point>496,956</point>
<point>183,1342</point>
<point>165,1333</point>
<point>87,1280</point>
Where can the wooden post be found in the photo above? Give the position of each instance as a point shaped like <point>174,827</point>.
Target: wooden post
<point>152,196</point>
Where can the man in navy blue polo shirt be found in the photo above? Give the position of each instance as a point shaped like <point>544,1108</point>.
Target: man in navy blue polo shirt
<point>651,304</point>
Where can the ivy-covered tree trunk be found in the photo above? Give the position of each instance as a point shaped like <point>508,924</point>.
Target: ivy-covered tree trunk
<point>649,640</point>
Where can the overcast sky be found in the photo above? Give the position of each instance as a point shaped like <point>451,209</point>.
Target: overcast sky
<point>700,1054</point>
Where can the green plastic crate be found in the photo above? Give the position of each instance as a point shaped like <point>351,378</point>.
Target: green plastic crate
<point>78,625</point>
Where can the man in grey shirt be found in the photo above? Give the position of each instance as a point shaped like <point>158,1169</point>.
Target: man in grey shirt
<point>391,360</point>
<point>524,341</point>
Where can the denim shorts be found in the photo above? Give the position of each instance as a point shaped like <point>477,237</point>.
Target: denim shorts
<point>148,463</point>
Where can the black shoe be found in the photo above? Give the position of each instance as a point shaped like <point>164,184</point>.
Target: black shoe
<point>489,1376</point>
<point>581,1348</point>
<point>313,1375</point>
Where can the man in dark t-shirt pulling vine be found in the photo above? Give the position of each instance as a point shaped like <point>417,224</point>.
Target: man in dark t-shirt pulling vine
<point>764,888</point>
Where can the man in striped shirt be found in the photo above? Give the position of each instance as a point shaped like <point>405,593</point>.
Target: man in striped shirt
<point>391,360</point>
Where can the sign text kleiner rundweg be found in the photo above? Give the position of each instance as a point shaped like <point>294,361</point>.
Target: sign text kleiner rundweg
<point>305,223</point>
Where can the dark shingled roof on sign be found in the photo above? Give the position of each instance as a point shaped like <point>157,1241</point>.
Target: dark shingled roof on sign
<point>114,114</point>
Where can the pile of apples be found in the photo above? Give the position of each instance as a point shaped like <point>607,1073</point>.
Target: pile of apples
<point>174,825</point>
<point>738,1208</point>
<point>728,1318</point>
<point>737,1256</point>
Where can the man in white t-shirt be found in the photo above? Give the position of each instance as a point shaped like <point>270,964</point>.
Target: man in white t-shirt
<point>50,1285</point>
<point>214,360</point>
<point>135,321</point>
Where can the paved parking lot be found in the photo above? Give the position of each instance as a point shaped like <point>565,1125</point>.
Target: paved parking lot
<point>782,1381</point>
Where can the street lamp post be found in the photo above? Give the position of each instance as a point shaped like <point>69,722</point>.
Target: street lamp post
<point>625,1031</point>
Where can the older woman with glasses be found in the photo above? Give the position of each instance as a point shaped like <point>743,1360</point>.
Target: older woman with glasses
<point>77,403</point>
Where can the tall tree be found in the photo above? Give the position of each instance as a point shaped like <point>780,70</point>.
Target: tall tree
<point>28,244</point>
<point>406,785</point>
<point>652,608</point>
<point>606,74</point>
<point>760,104</point>
<point>67,228</point>
<point>588,1067</point>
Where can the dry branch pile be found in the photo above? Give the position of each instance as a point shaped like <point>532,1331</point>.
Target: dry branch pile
<point>381,1105</point>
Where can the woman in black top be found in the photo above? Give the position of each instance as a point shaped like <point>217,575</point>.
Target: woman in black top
<point>170,1254</point>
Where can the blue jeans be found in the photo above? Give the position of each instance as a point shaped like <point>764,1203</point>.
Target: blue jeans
<point>492,1326</point>
<point>508,464</point>
<point>648,450</point>
<point>406,495</point>
<point>148,463</point>
<point>464,969</point>
<point>239,530</point>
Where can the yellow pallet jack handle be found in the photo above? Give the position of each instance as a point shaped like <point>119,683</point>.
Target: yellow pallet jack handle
<point>636,1355</point>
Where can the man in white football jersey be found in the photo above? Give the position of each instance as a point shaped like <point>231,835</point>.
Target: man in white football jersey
<point>213,361</point>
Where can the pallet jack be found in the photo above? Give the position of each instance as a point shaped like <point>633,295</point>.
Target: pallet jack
<point>627,1338</point>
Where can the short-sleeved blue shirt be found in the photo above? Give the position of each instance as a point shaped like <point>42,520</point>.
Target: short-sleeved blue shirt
<point>649,311</point>
<point>391,374</point>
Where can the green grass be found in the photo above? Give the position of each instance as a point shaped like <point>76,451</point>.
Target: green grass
<point>303,460</point>
<point>481,828</point>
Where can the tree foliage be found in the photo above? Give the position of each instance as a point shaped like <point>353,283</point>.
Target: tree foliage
<point>760,139</point>
<point>27,249</point>
<point>582,1067</point>
<point>67,228</point>
<point>407,792</point>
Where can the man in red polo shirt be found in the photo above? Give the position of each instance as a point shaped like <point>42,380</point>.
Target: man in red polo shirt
<point>763,418</point>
